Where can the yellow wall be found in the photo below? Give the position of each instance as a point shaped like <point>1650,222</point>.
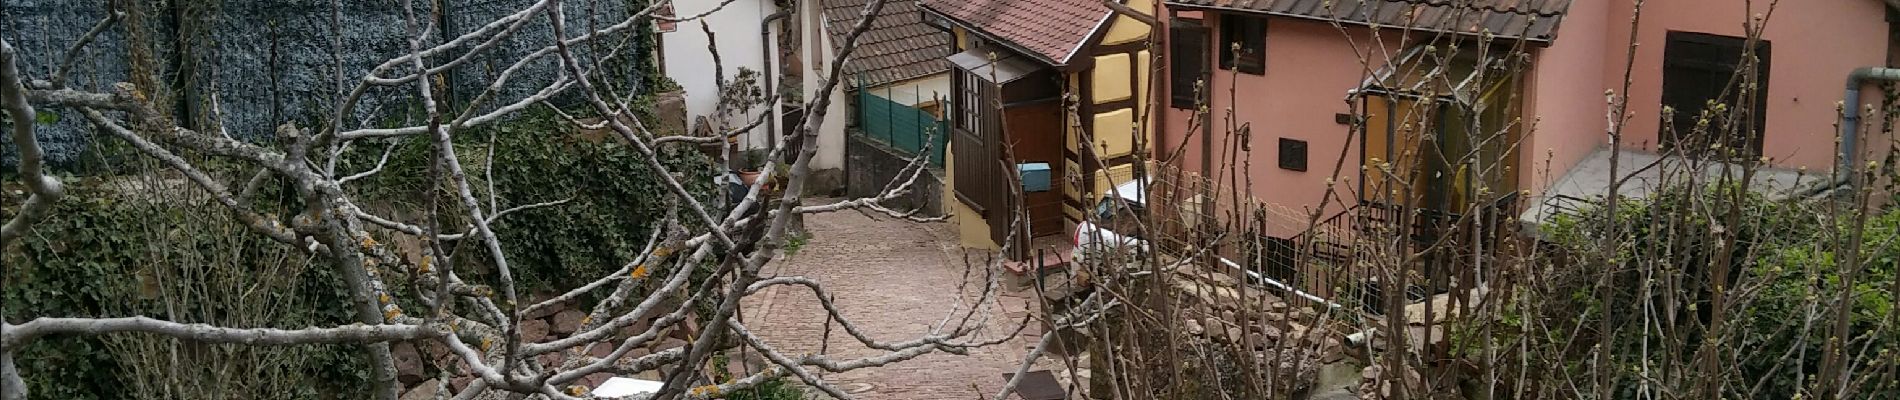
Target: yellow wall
<point>1110,69</point>
<point>1127,29</point>
<point>1114,129</point>
<point>972,230</point>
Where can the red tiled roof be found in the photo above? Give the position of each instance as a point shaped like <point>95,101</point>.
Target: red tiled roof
<point>1050,30</point>
<point>1534,20</point>
<point>897,47</point>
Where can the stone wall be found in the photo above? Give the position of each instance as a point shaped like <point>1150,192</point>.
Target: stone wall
<point>870,165</point>
<point>248,66</point>
<point>421,364</point>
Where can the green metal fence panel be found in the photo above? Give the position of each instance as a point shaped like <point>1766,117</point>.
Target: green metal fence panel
<point>902,127</point>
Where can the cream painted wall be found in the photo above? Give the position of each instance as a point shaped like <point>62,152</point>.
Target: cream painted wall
<point>917,91</point>
<point>688,62</point>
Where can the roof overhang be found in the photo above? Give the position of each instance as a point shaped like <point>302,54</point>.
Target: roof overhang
<point>947,23</point>
<point>1174,5</point>
<point>999,66</point>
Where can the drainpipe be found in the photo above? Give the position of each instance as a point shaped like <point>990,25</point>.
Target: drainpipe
<point>1850,127</point>
<point>765,53</point>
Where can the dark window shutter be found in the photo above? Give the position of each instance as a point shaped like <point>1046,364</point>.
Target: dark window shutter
<point>1187,61</point>
<point>1247,36</point>
<point>1698,68</point>
<point>1293,154</point>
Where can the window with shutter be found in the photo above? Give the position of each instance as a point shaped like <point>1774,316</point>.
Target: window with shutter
<point>1187,62</point>
<point>1243,44</point>
<point>1701,69</point>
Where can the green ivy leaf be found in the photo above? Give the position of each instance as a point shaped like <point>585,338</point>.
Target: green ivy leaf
<point>45,117</point>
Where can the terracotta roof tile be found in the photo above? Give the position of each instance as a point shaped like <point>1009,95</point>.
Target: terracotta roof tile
<point>899,46</point>
<point>1052,30</point>
<point>1534,20</point>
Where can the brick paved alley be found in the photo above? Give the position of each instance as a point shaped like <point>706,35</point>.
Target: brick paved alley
<point>895,279</point>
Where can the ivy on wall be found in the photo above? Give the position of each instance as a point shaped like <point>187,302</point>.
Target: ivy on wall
<point>102,251</point>
<point>614,198</point>
<point>109,253</point>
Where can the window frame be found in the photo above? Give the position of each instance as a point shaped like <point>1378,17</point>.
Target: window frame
<point>1251,33</point>
<point>1680,59</point>
<point>970,98</point>
<point>1182,92</point>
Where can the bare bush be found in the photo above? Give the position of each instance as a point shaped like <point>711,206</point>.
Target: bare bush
<point>1707,288</point>
<point>698,266</point>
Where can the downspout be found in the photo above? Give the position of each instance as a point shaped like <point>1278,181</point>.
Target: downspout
<point>765,53</point>
<point>1850,126</point>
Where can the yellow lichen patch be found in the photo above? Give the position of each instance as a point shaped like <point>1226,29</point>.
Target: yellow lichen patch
<point>383,298</point>
<point>392,313</point>
<point>576,390</point>
<point>368,241</point>
<point>662,252</point>
<point>640,271</point>
<point>707,391</point>
<point>487,342</point>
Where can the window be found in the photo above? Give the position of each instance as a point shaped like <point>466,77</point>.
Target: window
<point>1293,154</point>
<point>1702,69</point>
<point>1247,34</point>
<point>1187,62</point>
<point>974,104</point>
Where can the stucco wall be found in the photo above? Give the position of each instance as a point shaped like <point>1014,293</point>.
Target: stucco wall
<point>1564,98</point>
<point>917,91</point>
<point>1815,45</point>
<point>831,146</point>
<point>737,28</point>
<point>1310,69</point>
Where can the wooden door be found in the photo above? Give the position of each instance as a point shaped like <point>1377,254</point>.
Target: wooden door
<point>1035,136</point>
<point>1391,151</point>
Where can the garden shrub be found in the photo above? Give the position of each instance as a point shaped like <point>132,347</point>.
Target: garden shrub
<point>104,250</point>
<point>1784,264</point>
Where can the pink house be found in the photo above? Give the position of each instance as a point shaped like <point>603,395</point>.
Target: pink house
<point>1298,85</point>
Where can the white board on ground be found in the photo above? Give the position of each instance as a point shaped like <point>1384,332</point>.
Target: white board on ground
<point>622,387</point>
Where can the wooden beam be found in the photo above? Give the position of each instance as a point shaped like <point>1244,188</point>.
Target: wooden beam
<point>1124,10</point>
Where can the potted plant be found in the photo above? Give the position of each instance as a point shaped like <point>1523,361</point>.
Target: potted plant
<point>750,170</point>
